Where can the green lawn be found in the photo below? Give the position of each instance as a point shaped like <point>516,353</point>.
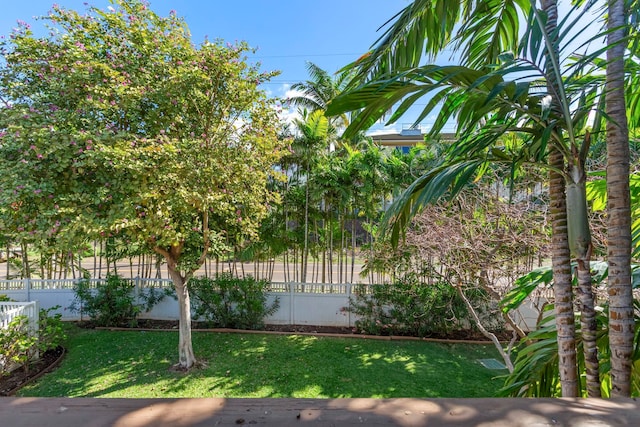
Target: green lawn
<point>136,364</point>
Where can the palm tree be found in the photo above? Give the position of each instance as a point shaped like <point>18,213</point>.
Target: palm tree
<point>487,106</point>
<point>621,322</point>
<point>319,90</point>
<point>314,129</point>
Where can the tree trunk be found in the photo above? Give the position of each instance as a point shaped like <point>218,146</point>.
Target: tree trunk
<point>563,293</point>
<point>580,244</point>
<point>560,252</point>
<point>621,322</point>
<point>186,357</point>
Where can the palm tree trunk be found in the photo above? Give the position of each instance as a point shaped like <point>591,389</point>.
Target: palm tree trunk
<point>621,322</point>
<point>561,264</point>
<point>580,245</point>
<point>560,251</point>
<point>305,254</point>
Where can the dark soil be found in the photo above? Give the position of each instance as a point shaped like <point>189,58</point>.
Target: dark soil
<point>12,382</point>
<point>462,335</point>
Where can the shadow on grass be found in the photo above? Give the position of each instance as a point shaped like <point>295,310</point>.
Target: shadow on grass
<point>136,364</point>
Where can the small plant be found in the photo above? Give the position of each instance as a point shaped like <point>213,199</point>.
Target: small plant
<point>20,345</point>
<point>231,302</point>
<point>17,344</point>
<point>114,302</point>
<point>50,331</point>
<point>4,298</point>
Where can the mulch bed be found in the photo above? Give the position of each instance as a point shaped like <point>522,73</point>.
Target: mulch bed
<point>11,383</point>
<point>462,335</point>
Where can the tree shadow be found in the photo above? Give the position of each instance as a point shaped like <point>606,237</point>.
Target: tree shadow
<point>239,365</point>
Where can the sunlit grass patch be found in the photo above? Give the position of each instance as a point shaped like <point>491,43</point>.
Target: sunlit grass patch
<point>136,364</point>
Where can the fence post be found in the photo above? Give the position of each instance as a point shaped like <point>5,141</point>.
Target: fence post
<point>27,286</point>
<point>136,289</point>
<point>291,304</point>
<point>36,324</point>
<point>349,289</point>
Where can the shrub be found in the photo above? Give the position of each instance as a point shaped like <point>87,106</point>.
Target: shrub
<point>4,298</point>
<point>231,302</point>
<point>17,344</point>
<point>50,331</point>
<point>409,307</point>
<point>114,302</point>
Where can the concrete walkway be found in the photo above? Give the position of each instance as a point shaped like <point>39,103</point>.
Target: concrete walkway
<point>59,412</point>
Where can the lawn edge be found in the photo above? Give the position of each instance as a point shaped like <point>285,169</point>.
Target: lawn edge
<point>318,334</point>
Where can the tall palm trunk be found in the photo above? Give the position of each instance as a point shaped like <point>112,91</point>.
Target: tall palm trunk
<point>563,293</point>
<point>621,326</point>
<point>580,244</point>
<point>305,254</point>
<point>561,256</point>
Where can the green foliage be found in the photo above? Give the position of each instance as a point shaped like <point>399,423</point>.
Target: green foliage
<point>51,333</point>
<point>114,302</point>
<point>231,302</point>
<point>536,367</point>
<point>120,125</point>
<point>4,298</point>
<point>408,307</point>
<point>17,344</point>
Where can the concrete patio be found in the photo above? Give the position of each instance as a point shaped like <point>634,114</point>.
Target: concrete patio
<point>59,412</point>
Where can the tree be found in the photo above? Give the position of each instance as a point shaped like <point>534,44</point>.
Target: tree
<point>487,105</point>
<point>621,311</point>
<point>319,90</point>
<point>117,124</point>
<point>313,128</point>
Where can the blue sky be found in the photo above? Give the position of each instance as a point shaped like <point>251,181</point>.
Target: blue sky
<point>287,33</point>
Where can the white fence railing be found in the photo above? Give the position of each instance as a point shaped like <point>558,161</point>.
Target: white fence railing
<point>11,310</point>
<point>318,304</point>
<point>8,312</point>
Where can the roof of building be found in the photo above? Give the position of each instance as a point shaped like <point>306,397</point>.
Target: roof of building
<point>406,138</point>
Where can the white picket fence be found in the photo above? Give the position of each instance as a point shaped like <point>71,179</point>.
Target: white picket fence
<point>318,304</point>
<point>11,310</point>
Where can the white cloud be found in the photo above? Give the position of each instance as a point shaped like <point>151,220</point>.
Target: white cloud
<point>376,130</point>
<point>289,116</point>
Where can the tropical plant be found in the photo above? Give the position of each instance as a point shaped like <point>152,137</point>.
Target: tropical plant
<point>536,371</point>
<point>411,307</point>
<point>547,108</point>
<point>18,344</point>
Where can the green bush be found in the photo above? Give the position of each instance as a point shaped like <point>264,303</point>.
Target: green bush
<point>231,302</point>
<point>409,307</point>
<point>50,330</point>
<point>115,302</point>
<point>17,344</point>
<point>4,298</point>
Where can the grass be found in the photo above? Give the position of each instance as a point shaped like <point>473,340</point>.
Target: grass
<point>136,364</point>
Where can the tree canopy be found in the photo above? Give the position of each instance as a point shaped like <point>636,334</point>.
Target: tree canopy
<point>117,124</point>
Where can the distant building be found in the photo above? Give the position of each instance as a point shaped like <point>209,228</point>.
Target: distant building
<point>407,138</point>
